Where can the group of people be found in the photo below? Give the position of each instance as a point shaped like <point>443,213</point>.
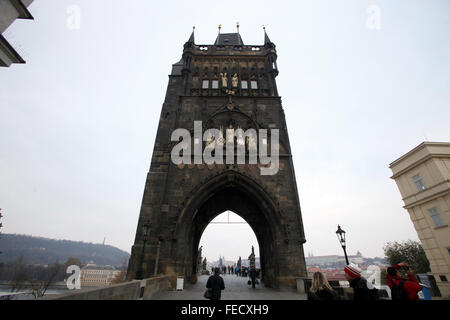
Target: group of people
<point>402,288</point>
<point>227,270</point>
<point>241,272</point>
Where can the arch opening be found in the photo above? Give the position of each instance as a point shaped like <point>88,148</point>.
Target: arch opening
<point>234,192</point>
<point>227,238</point>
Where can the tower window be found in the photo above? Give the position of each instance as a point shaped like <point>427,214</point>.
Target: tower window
<point>435,215</point>
<point>205,84</point>
<point>244,84</point>
<point>215,84</point>
<point>419,182</point>
<point>443,278</point>
<point>254,84</point>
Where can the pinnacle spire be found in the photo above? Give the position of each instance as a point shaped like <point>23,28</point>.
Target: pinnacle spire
<point>191,38</point>
<point>267,41</point>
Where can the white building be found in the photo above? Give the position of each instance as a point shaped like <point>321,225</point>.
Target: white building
<point>97,276</point>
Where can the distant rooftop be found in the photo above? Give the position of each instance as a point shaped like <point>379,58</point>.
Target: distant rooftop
<point>90,266</point>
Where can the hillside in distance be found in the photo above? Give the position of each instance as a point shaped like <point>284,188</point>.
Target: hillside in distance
<point>38,250</point>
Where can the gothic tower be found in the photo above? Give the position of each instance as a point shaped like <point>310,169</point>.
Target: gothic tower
<point>224,85</point>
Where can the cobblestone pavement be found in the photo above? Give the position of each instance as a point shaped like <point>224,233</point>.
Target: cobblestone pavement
<point>236,288</point>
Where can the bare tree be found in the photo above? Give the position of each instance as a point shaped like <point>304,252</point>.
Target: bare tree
<point>39,287</point>
<point>19,278</point>
<point>122,275</point>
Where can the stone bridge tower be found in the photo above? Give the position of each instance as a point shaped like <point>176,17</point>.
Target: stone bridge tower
<point>224,85</point>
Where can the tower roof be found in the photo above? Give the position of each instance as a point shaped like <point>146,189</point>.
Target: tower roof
<point>267,42</point>
<point>191,38</point>
<point>266,38</point>
<point>230,39</point>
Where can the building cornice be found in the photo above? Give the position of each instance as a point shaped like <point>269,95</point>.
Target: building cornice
<point>427,198</point>
<point>419,147</point>
<point>419,162</point>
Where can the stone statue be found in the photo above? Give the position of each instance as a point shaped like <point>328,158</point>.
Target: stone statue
<point>199,258</point>
<point>251,258</point>
<point>224,78</point>
<point>204,265</point>
<point>239,263</point>
<point>235,80</point>
<point>251,142</point>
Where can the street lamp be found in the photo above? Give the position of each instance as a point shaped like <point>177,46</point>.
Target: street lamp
<point>145,231</point>
<point>341,237</point>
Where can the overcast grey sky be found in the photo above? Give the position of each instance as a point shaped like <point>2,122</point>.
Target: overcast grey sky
<point>78,121</point>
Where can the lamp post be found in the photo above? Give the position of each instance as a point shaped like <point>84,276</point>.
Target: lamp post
<point>341,237</point>
<point>145,231</point>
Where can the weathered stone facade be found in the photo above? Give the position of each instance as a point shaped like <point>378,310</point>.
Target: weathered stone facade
<point>180,200</point>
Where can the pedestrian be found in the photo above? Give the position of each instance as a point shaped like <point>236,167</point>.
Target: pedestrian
<point>237,271</point>
<point>402,288</point>
<point>321,289</point>
<point>252,275</point>
<point>361,291</point>
<point>216,284</point>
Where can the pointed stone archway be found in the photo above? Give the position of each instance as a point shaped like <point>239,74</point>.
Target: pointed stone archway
<point>233,191</point>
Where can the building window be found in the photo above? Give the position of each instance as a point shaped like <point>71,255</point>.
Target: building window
<point>436,217</point>
<point>254,84</point>
<point>419,182</point>
<point>443,278</point>
<point>244,84</point>
<point>448,249</point>
<point>215,84</point>
<point>205,84</point>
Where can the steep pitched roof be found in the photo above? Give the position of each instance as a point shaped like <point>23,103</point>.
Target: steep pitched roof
<point>230,39</point>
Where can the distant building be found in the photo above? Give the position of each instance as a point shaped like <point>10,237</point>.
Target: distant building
<point>97,276</point>
<point>10,10</point>
<point>338,274</point>
<point>336,261</point>
<point>423,178</point>
<point>244,263</point>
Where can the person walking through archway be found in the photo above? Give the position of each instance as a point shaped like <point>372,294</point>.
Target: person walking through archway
<point>216,284</point>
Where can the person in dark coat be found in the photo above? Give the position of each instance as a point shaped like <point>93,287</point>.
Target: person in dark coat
<point>321,289</point>
<point>252,275</point>
<point>216,284</point>
<point>361,291</point>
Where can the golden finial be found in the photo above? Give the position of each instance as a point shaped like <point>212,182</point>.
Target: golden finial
<point>220,27</point>
<point>237,26</point>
